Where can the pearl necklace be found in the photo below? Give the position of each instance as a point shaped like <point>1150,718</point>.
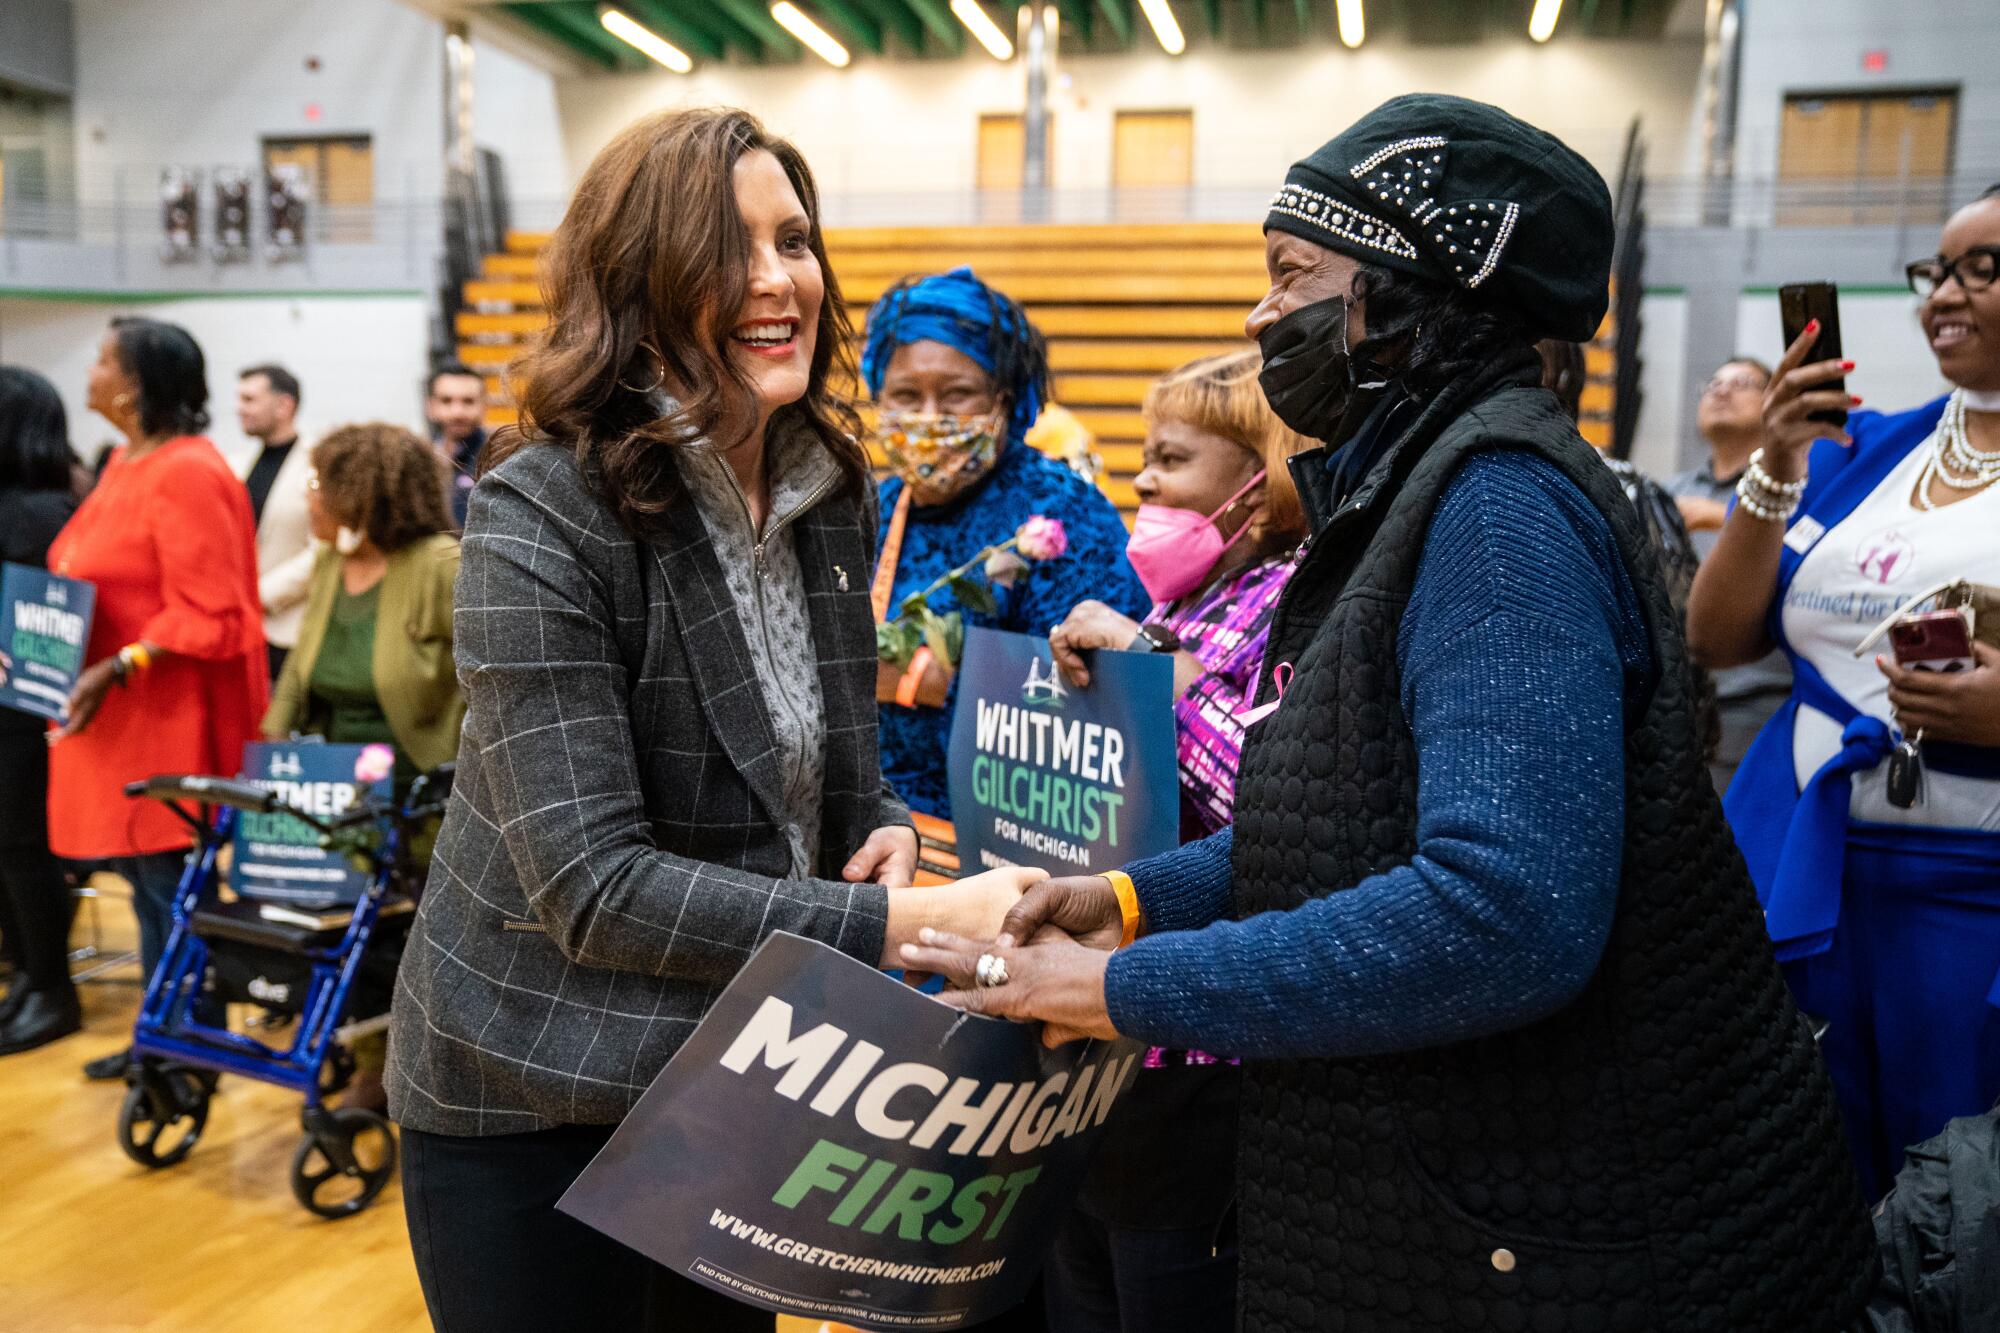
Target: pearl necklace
<point>1953,462</point>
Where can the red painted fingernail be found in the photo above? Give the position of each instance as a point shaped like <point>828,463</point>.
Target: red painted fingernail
<point>1854,399</point>
<point>1847,365</point>
<point>1812,327</point>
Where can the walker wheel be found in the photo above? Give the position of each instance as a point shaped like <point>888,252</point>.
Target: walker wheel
<point>343,1162</point>
<point>163,1115</point>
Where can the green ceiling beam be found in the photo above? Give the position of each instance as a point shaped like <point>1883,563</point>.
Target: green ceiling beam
<point>582,34</point>
<point>896,18</point>
<point>1303,8</point>
<point>778,43</point>
<point>857,26</point>
<point>1077,14</point>
<point>1257,18</point>
<point>662,18</point>
<point>723,28</point>
<point>1118,13</point>
<point>935,17</point>
<point>1212,11</point>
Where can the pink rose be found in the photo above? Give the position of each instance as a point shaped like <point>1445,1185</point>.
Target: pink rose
<point>1042,538</point>
<point>376,763</point>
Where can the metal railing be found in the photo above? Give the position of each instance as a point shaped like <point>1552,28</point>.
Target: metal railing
<point>120,242</point>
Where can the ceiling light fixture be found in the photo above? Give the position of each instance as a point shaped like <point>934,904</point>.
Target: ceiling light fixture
<point>1165,27</point>
<point>984,28</point>
<point>644,40</point>
<point>817,39</point>
<point>1542,23</point>
<point>1352,29</point>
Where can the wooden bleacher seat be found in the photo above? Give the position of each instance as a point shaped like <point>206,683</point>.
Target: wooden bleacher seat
<point>1120,305</point>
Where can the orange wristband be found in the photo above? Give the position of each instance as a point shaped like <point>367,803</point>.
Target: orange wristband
<point>906,688</point>
<point>1128,904</point>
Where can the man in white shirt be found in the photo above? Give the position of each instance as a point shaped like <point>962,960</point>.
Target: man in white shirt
<point>267,406</point>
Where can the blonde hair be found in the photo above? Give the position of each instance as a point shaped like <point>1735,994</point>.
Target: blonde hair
<point>1220,395</point>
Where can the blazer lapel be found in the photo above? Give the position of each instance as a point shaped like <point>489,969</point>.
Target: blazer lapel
<point>717,655</point>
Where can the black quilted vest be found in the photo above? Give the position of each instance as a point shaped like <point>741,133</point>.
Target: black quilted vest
<point>1664,1153</point>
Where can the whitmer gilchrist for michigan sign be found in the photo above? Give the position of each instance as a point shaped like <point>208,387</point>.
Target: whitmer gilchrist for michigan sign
<point>1075,781</point>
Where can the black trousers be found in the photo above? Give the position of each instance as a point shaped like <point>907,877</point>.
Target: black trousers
<point>35,911</point>
<point>1106,1279</point>
<point>494,1255</point>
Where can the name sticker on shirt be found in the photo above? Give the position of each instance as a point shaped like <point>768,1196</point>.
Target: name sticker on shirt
<point>1804,533</point>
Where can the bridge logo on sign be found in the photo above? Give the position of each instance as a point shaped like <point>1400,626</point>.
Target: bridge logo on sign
<point>1040,690</point>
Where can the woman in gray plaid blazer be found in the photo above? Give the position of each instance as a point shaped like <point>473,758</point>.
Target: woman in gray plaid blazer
<point>667,651</point>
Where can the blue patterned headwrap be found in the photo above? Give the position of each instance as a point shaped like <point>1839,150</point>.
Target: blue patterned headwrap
<point>963,313</point>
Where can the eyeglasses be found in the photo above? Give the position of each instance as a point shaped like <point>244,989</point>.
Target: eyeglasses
<point>1974,270</point>
<point>1733,383</point>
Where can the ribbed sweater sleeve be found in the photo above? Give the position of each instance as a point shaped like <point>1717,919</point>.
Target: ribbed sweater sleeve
<point>1519,649</point>
<point>1186,888</point>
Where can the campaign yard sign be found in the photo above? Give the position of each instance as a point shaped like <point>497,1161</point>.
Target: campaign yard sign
<point>1075,781</point>
<point>44,629</point>
<point>278,858</point>
<point>832,1144</point>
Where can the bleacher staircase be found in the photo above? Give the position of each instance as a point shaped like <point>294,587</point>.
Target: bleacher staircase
<point>1120,305</point>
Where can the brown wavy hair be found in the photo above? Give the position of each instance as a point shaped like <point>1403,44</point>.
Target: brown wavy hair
<point>648,270</point>
<point>383,481</point>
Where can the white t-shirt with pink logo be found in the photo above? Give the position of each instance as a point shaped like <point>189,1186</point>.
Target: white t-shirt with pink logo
<point>1878,557</point>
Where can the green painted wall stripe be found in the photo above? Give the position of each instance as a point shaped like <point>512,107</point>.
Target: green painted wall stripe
<point>85,296</point>
<point>1849,289</point>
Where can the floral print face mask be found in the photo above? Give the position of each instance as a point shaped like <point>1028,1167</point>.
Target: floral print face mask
<point>938,455</point>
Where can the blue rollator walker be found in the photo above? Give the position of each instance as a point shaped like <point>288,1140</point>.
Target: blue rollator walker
<point>335,981</point>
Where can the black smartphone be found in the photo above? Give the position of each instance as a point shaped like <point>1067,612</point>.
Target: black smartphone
<point>1800,303</point>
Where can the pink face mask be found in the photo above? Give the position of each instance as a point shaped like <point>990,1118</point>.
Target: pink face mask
<point>1173,550</point>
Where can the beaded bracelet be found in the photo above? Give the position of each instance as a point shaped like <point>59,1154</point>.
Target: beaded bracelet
<point>1761,504</point>
<point>1760,477</point>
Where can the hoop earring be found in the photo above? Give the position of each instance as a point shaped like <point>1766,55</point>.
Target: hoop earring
<point>659,378</point>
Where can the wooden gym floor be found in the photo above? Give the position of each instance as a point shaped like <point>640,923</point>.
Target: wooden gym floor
<point>92,1243</point>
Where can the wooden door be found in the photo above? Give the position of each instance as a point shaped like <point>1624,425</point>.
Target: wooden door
<point>1153,149</point>
<point>340,175</point>
<point>1003,142</point>
<point>1865,158</point>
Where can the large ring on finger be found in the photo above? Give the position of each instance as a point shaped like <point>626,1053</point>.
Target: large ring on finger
<point>990,971</point>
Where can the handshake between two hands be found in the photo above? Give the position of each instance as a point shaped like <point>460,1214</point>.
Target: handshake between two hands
<point>1054,938</point>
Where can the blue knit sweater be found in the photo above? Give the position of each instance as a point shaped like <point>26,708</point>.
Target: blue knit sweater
<point>1522,651</point>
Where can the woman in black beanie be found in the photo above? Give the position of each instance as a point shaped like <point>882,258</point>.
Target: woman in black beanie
<point>1516,1055</point>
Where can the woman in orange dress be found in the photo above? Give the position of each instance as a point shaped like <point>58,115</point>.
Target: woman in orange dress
<point>177,677</point>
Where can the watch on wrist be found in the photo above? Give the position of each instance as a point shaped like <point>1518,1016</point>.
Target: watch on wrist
<point>1156,638</point>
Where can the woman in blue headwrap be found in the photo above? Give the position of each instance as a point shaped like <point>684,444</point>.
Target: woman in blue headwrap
<point>960,375</point>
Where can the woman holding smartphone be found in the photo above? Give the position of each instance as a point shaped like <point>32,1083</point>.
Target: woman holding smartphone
<point>1869,807</point>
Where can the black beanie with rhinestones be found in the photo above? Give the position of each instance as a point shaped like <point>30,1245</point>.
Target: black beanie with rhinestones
<point>1461,192</point>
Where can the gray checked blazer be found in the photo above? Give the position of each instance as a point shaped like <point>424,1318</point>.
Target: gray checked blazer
<point>613,849</point>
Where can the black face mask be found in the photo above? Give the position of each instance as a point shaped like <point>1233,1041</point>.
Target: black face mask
<point>1308,377</point>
